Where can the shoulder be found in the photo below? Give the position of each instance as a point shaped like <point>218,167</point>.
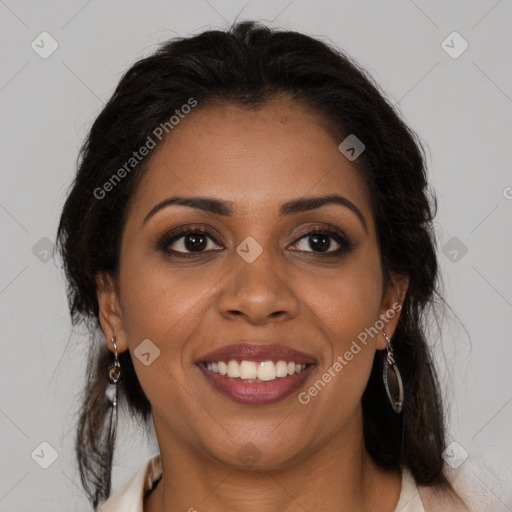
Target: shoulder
<point>476,496</point>
<point>130,496</point>
<point>409,500</point>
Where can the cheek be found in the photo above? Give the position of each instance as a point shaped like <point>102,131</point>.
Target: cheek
<point>346,309</point>
<point>348,303</point>
<point>347,319</point>
<point>159,302</point>
<point>160,306</point>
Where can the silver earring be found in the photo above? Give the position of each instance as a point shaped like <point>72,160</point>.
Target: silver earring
<point>392,379</point>
<point>114,373</point>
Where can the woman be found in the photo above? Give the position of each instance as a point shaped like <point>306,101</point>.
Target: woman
<point>250,228</point>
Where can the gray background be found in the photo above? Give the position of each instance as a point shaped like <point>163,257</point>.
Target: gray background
<point>461,107</point>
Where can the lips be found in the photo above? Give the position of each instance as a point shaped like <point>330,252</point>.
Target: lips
<point>256,352</point>
<point>281,371</point>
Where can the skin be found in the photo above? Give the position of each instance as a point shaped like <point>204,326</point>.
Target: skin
<point>312,456</point>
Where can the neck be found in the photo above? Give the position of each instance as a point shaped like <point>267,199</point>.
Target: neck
<point>338,476</point>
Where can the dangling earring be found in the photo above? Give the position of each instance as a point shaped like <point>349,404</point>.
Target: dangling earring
<point>392,379</point>
<point>114,373</point>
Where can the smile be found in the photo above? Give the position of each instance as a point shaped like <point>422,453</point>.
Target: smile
<point>253,371</point>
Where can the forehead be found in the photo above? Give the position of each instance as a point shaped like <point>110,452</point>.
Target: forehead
<point>254,158</point>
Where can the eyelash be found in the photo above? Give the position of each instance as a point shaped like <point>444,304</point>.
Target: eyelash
<point>346,245</point>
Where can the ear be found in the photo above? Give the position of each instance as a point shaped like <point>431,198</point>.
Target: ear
<point>391,307</point>
<point>110,315</point>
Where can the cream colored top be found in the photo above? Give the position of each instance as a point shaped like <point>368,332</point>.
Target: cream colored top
<point>130,497</point>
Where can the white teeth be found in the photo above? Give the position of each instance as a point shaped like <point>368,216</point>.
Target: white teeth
<point>233,369</point>
<point>281,369</point>
<point>223,368</point>
<point>251,370</point>
<point>266,370</point>
<point>248,370</point>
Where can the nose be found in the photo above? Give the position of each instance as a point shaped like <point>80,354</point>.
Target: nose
<point>260,292</point>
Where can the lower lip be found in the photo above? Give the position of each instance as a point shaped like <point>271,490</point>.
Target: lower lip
<point>257,393</point>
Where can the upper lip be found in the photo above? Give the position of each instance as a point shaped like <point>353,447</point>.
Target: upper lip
<point>255,351</point>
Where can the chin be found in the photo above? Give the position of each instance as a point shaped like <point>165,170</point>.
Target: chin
<point>259,452</point>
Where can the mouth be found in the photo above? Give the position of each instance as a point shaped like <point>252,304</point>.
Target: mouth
<point>256,374</point>
<point>255,371</point>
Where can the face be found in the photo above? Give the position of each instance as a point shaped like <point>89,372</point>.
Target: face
<point>256,268</point>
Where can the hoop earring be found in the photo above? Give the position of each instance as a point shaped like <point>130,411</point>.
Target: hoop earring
<point>114,373</point>
<point>392,379</point>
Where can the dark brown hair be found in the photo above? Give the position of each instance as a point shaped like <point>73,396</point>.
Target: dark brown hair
<point>248,64</point>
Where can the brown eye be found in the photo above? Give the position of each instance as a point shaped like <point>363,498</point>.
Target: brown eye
<point>317,242</point>
<point>322,241</point>
<point>187,241</point>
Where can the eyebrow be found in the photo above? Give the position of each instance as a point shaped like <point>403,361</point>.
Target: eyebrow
<point>225,208</point>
